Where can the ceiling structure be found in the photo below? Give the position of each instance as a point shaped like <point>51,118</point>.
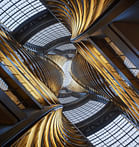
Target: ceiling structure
<point>35,26</point>
<point>49,34</point>
<point>15,12</point>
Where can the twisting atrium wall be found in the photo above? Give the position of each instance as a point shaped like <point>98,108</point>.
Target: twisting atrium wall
<point>69,73</point>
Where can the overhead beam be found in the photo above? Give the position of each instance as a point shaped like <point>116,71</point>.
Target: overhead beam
<point>99,120</point>
<point>68,94</point>
<point>18,89</point>
<point>33,25</point>
<point>76,104</point>
<point>53,44</point>
<point>33,47</point>
<point>64,52</point>
<point>50,46</point>
<point>82,101</point>
<point>13,109</point>
<point>108,16</point>
<point>116,61</point>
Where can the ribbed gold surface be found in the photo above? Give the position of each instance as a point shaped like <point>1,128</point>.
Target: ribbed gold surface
<point>89,77</point>
<point>8,55</point>
<point>46,70</point>
<point>78,16</point>
<point>115,81</point>
<point>58,59</point>
<point>53,129</point>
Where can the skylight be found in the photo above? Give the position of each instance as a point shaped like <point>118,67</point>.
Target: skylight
<point>83,112</point>
<point>49,34</point>
<point>67,78</point>
<point>15,12</point>
<point>119,133</point>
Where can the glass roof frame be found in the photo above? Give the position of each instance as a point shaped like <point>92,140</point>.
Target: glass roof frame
<point>120,132</point>
<point>14,12</point>
<point>66,46</point>
<point>49,34</point>
<point>84,112</point>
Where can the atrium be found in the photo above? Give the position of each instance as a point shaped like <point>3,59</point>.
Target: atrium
<point>69,73</point>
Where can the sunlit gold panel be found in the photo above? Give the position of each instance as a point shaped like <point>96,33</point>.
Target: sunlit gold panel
<point>12,60</point>
<point>78,15</point>
<point>124,91</point>
<point>54,130</point>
